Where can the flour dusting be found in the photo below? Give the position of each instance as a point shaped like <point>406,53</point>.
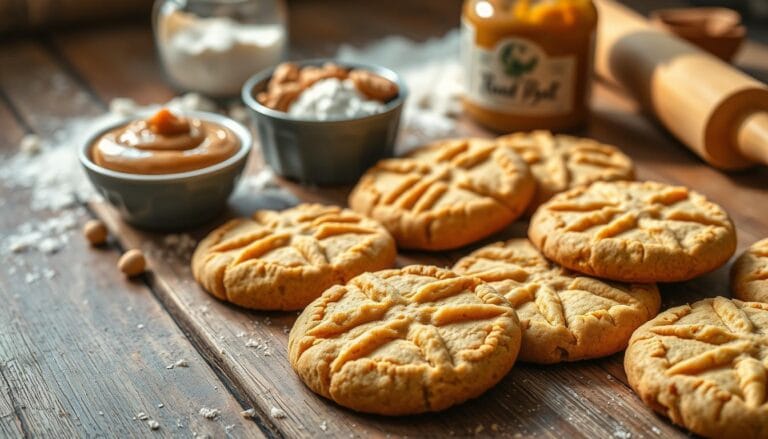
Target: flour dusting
<point>433,75</point>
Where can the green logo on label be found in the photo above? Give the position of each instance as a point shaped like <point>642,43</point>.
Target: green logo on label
<point>512,56</point>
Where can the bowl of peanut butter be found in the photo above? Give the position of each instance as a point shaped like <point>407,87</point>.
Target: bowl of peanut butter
<point>167,171</point>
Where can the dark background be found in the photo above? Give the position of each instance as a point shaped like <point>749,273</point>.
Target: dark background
<point>29,16</point>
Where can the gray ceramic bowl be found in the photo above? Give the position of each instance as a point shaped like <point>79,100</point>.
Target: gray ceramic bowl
<point>324,151</point>
<point>170,201</point>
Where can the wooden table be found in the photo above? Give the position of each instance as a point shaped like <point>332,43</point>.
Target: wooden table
<point>84,352</point>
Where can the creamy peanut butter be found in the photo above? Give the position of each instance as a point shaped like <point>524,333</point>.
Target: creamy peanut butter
<point>164,144</point>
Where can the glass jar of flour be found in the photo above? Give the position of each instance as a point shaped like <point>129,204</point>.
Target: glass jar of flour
<point>213,46</point>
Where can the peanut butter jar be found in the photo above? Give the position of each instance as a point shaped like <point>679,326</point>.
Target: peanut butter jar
<point>528,63</point>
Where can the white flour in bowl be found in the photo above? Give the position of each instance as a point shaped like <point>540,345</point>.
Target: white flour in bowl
<point>331,99</point>
<point>217,55</point>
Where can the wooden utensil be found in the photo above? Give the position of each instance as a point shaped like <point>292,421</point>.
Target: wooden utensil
<point>716,110</point>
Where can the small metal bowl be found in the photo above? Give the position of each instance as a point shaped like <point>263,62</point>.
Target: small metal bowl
<point>319,152</point>
<point>169,201</point>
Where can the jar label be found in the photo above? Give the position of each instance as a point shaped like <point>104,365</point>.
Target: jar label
<point>517,77</point>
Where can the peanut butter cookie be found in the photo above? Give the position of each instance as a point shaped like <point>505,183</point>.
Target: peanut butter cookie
<point>284,260</point>
<point>704,366</point>
<point>447,194</point>
<point>634,232</point>
<point>565,316</point>
<point>413,340</point>
<point>560,162</point>
<point>749,274</point>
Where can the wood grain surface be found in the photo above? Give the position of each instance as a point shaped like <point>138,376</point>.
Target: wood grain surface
<point>82,353</point>
<point>70,346</point>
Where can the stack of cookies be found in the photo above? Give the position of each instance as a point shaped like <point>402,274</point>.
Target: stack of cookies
<point>582,286</point>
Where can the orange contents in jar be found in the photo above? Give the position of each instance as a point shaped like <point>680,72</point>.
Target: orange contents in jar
<point>528,63</point>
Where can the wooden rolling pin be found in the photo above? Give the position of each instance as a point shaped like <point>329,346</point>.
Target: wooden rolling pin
<point>717,111</point>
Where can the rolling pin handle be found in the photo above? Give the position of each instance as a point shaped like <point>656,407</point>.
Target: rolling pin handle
<point>752,137</point>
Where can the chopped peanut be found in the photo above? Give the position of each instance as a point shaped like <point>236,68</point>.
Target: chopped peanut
<point>132,263</point>
<point>95,232</point>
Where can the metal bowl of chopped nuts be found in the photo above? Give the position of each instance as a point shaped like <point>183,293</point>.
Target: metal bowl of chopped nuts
<point>323,121</point>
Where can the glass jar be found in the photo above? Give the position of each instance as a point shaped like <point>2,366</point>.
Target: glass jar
<point>214,46</point>
<point>528,63</point>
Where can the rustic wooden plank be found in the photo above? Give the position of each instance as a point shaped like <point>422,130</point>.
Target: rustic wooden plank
<point>31,15</point>
<point>82,351</point>
<point>95,55</point>
<point>10,423</point>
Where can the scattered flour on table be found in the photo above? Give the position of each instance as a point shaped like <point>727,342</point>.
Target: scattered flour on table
<point>179,363</point>
<point>277,413</point>
<point>178,246</point>
<point>181,245</point>
<point>51,169</point>
<point>433,75</point>
<point>261,346</point>
<point>46,236</point>
<point>209,413</point>
<point>620,433</point>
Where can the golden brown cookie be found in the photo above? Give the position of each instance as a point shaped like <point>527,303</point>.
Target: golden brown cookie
<point>447,194</point>
<point>565,316</point>
<point>284,260</point>
<point>418,339</point>
<point>634,232</point>
<point>704,366</point>
<point>560,162</point>
<point>749,274</point>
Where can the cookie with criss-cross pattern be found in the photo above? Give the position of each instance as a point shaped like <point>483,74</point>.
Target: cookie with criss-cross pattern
<point>560,162</point>
<point>447,194</point>
<point>284,260</point>
<point>749,274</point>
<point>413,340</point>
<point>634,231</point>
<point>565,316</point>
<point>705,366</point>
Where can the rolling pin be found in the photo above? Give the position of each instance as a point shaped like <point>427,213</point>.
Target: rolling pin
<point>716,110</point>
